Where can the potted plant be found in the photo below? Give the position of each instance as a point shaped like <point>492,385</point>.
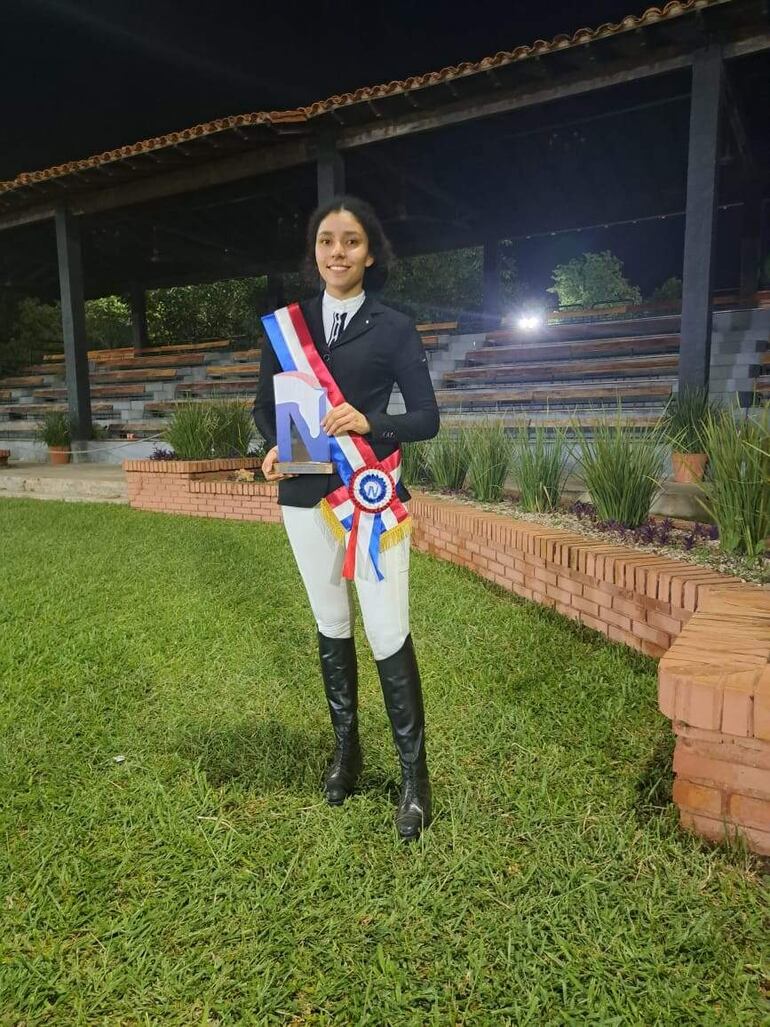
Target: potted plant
<point>55,431</point>
<point>683,420</point>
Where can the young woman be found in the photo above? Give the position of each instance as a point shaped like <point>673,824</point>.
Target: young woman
<point>367,347</point>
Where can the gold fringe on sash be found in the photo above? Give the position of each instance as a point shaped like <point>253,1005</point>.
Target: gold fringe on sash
<point>331,522</point>
<point>389,538</point>
<point>395,535</point>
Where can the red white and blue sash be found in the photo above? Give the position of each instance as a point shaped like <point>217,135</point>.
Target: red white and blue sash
<point>365,512</point>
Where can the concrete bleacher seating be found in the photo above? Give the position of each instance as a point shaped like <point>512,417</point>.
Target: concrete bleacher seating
<point>126,383</point>
<point>583,368</point>
<point>762,383</point>
<point>563,371</point>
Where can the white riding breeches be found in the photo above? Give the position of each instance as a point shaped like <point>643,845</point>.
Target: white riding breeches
<point>384,604</point>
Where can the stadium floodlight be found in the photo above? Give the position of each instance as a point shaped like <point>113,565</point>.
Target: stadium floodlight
<point>530,322</point>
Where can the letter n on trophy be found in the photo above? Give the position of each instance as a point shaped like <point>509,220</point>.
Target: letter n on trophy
<point>300,406</point>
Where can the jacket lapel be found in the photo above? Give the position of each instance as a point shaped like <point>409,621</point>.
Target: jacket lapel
<point>362,321</point>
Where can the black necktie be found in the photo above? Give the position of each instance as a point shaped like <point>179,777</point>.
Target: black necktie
<point>338,326</point>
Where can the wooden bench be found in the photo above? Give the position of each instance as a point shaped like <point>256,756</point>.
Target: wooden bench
<point>469,398</point>
<point>247,354</point>
<point>184,347</point>
<point>214,388</point>
<point>108,356</point>
<point>151,363</point>
<point>95,354</point>
<point>583,420</point>
<point>151,427</point>
<point>533,352</point>
<point>560,369</point>
<point>163,407</point>
<point>104,391</point>
<point>128,352</point>
<point>158,374</point>
<point>592,329</point>
<point>22,382</point>
<point>223,370</point>
<point>52,369</point>
<point>20,410</point>
<point>437,326</point>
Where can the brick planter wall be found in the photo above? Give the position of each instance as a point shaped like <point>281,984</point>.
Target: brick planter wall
<point>710,631</point>
<point>192,487</point>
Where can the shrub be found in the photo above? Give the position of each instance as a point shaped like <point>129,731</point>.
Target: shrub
<point>490,459</point>
<point>210,429</point>
<point>684,417</point>
<point>669,291</point>
<point>622,469</point>
<point>539,467</point>
<point>449,456</point>
<point>414,463</point>
<point>736,489</point>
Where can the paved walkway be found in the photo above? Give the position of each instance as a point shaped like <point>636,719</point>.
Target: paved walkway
<point>76,483</point>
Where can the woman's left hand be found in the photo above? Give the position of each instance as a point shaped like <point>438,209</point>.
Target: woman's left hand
<point>345,418</point>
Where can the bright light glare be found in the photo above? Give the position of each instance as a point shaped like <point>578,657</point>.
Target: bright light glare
<point>529,322</point>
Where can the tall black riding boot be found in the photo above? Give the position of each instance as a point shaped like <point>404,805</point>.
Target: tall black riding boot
<point>339,671</point>
<point>402,691</point>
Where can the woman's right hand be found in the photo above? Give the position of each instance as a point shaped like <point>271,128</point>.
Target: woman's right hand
<point>267,466</point>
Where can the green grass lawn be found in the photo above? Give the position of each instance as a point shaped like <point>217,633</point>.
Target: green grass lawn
<point>202,880</point>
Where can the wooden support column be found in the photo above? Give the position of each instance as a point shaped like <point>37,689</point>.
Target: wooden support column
<point>700,217</point>
<point>138,300</point>
<point>73,315</point>
<point>491,291</point>
<point>751,238</point>
<point>331,169</point>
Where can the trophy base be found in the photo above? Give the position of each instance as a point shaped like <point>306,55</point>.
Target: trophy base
<point>304,467</point>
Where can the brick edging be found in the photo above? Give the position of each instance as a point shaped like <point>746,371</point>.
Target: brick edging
<point>710,631</point>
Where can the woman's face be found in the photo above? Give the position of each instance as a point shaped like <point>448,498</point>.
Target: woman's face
<point>342,254</point>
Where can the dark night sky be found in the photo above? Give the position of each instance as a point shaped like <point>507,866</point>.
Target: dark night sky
<point>82,76</point>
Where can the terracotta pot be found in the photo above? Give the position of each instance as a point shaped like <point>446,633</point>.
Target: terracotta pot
<point>688,467</point>
<point>4,454</point>
<point>59,454</point>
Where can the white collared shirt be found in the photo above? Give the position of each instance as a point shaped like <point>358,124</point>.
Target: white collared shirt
<point>331,306</point>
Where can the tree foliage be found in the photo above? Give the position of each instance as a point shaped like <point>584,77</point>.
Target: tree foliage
<point>449,285</point>
<point>591,280</point>
<point>668,291</point>
<point>226,309</point>
<point>433,286</point>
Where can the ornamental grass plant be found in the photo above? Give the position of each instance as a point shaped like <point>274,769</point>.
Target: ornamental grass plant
<point>736,490</point>
<point>414,463</point>
<point>55,429</point>
<point>539,467</point>
<point>622,468</point>
<point>449,456</point>
<point>209,430</point>
<point>684,417</point>
<point>489,450</point>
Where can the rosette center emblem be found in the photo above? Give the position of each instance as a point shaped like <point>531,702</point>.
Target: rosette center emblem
<point>372,489</point>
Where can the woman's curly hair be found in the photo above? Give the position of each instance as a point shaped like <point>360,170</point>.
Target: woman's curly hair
<point>379,246</point>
